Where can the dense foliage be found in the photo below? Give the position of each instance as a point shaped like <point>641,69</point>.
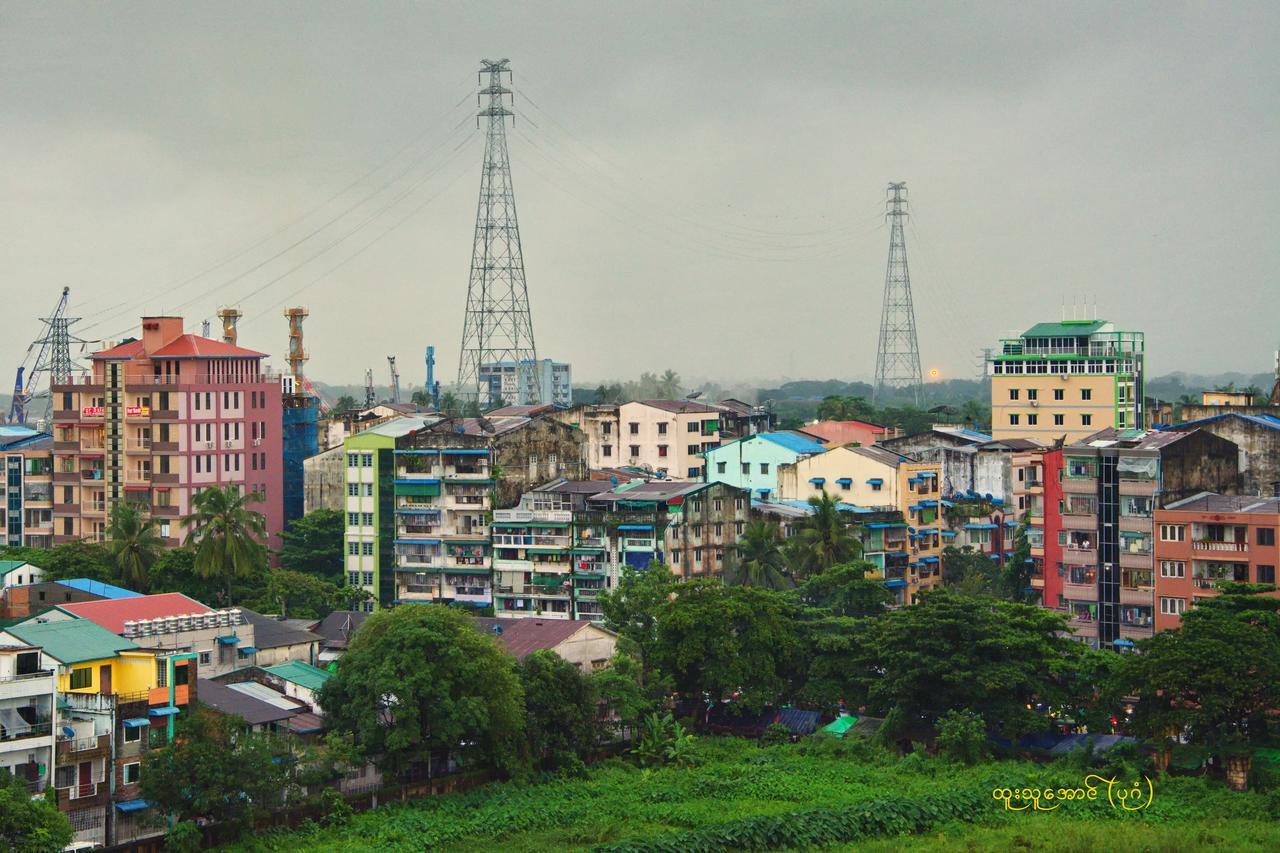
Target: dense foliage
<point>226,535</point>
<point>29,825</point>
<point>420,678</point>
<point>560,711</point>
<point>314,544</point>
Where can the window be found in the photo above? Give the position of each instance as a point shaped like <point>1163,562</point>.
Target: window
<point>353,519</point>
<point>1032,420</point>
<point>1266,536</point>
<point>1173,532</point>
<point>1086,420</point>
<point>82,678</point>
<point>368,488</point>
<point>717,505</point>
<point>737,528</point>
<point>1013,393</point>
<point>1032,393</point>
<point>662,428</point>
<point>1059,394</point>
<point>1173,569</point>
<point>694,449</point>
<point>353,578</point>
<point>366,548</point>
<point>746,468</point>
<point>606,428</point>
<point>1013,420</point>
<point>366,578</point>
<point>721,466</point>
<point>132,773</point>
<point>1266,574</point>
<point>606,450</point>
<point>635,450</point>
<point>1172,606</point>
<point>1058,420</point>
<point>739,504</point>
<point>633,428</point>
<point>719,529</point>
<point>695,472</point>
<point>764,467</point>
<point>875,487</point>
<point>693,426</point>
<point>697,555</point>
<point>366,519</point>
<point>204,658</point>
<point>662,450</point>
<point>1087,394</point>
<point>132,735</point>
<point>353,548</point>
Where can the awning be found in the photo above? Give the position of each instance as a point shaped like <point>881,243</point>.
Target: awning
<point>929,559</point>
<point>914,479</point>
<point>875,481</point>
<point>423,541</point>
<point>817,481</point>
<point>928,474</point>
<point>981,526</point>
<point>764,493</point>
<point>137,488</point>
<point>137,723</point>
<point>845,481</point>
<point>635,526</point>
<point>166,711</point>
<point>1133,534</point>
<point>133,806</point>
<point>947,534</point>
<point>229,640</point>
<point>456,451</point>
<point>245,651</point>
<point>1011,523</point>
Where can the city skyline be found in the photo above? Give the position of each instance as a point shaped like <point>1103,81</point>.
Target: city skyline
<point>723,164</point>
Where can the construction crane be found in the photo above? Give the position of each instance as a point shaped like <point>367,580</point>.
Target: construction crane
<point>52,357</point>
<point>395,380</point>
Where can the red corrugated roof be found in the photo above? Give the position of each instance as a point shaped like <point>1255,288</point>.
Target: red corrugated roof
<point>194,346</point>
<point>183,346</point>
<point>128,349</point>
<point>112,614</point>
<point>523,637</point>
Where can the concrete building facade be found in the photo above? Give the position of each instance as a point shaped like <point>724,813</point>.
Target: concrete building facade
<point>667,437</point>
<point>159,418</point>
<point>752,463</point>
<point>1067,379</point>
<point>26,487</point>
<point>525,383</point>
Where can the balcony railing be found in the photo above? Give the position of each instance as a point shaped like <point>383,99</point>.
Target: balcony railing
<point>27,676</point>
<point>21,732</point>
<point>1234,547</point>
<point>80,744</point>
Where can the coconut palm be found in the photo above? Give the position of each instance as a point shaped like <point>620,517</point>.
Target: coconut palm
<point>133,543</point>
<point>824,539</point>
<point>757,559</point>
<point>227,536</point>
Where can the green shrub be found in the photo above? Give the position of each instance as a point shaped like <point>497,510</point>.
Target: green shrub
<point>775,734</point>
<point>962,737</point>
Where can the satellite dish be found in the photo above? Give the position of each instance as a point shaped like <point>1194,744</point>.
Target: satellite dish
<point>693,395</point>
<point>497,630</point>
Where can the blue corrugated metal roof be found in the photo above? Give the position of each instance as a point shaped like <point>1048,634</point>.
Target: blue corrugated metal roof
<point>794,443</point>
<point>105,590</point>
<point>1269,421</point>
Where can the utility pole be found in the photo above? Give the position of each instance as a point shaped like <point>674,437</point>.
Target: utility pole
<point>898,356</point>
<point>497,326</point>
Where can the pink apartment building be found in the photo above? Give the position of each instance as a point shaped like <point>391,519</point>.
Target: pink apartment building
<point>159,418</point>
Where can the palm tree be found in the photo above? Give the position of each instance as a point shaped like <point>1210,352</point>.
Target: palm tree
<point>669,385</point>
<point>134,543</point>
<point>825,539</point>
<point>757,559</point>
<point>226,534</point>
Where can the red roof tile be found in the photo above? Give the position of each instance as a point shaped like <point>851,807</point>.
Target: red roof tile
<point>113,613</point>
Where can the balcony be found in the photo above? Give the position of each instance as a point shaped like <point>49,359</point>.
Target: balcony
<point>66,477</point>
<point>139,446</point>
<point>164,415</point>
<point>26,731</point>
<point>88,475</point>
<point>591,542</point>
<point>164,446</point>
<point>164,511</point>
<point>72,446</point>
<point>166,478</point>
<point>1221,547</point>
<point>89,743</point>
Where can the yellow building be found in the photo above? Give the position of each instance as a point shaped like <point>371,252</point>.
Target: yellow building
<point>1068,379</point>
<point>871,478</point>
<point>88,658</point>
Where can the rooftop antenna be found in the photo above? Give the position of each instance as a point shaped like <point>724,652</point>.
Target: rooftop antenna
<point>898,356</point>
<point>204,328</point>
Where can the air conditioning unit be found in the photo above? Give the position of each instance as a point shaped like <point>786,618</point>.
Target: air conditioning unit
<point>257,442</point>
<point>208,445</point>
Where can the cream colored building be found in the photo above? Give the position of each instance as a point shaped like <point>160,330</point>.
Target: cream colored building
<point>872,477</point>
<point>665,436</point>
<point>1068,379</point>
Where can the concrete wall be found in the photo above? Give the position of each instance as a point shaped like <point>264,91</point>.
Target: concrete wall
<point>585,648</point>
<point>1259,453</point>
<point>964,468</point>
<point>1201,462</point>
<point>324,481</point>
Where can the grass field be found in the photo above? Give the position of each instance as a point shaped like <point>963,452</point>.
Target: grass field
<point>810,796</point>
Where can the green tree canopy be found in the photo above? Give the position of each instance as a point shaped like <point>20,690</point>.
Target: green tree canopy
<point>314,544</point>
<point>69,560</point>
<point>226,534</point>
<point>560,710</point>
<point>421,678</point>
<point>346,403</point>
<point>134,544</point>
<point>756,559</point>
<point>302,595</point>
<point>214,769</point>
<point>825,538</point>
<point>723,640</point>
<point>845,590</point>
<point>29,825</point>
<point>175,571</point>
<point>631,608</point>
<point>952,652</point>
<point>621,689</point>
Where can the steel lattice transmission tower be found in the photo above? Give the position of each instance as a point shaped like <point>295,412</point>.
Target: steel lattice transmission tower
<point>898,357</point>
<point>497,326</point>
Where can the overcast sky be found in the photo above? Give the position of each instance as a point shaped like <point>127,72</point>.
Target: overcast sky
<point>699,184</point>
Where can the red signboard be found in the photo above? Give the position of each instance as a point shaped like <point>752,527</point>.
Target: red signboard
<point>91,412</point>
<point>135,411</point>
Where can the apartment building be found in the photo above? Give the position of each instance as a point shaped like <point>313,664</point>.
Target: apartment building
<point>667,437</point>
<point>876,478</point>
<point>598,423</point>
<point>159,418</point>
<point>752,463</point>
<point>1111,485</point>
<point>525,383</point>
<point>1258,437</point>
<point>1208,539</point>
<point>1037,484</point>
<point>835,433</point>
<point>26,487</point>
<point>1070,378</point>
<point>27,695</point>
